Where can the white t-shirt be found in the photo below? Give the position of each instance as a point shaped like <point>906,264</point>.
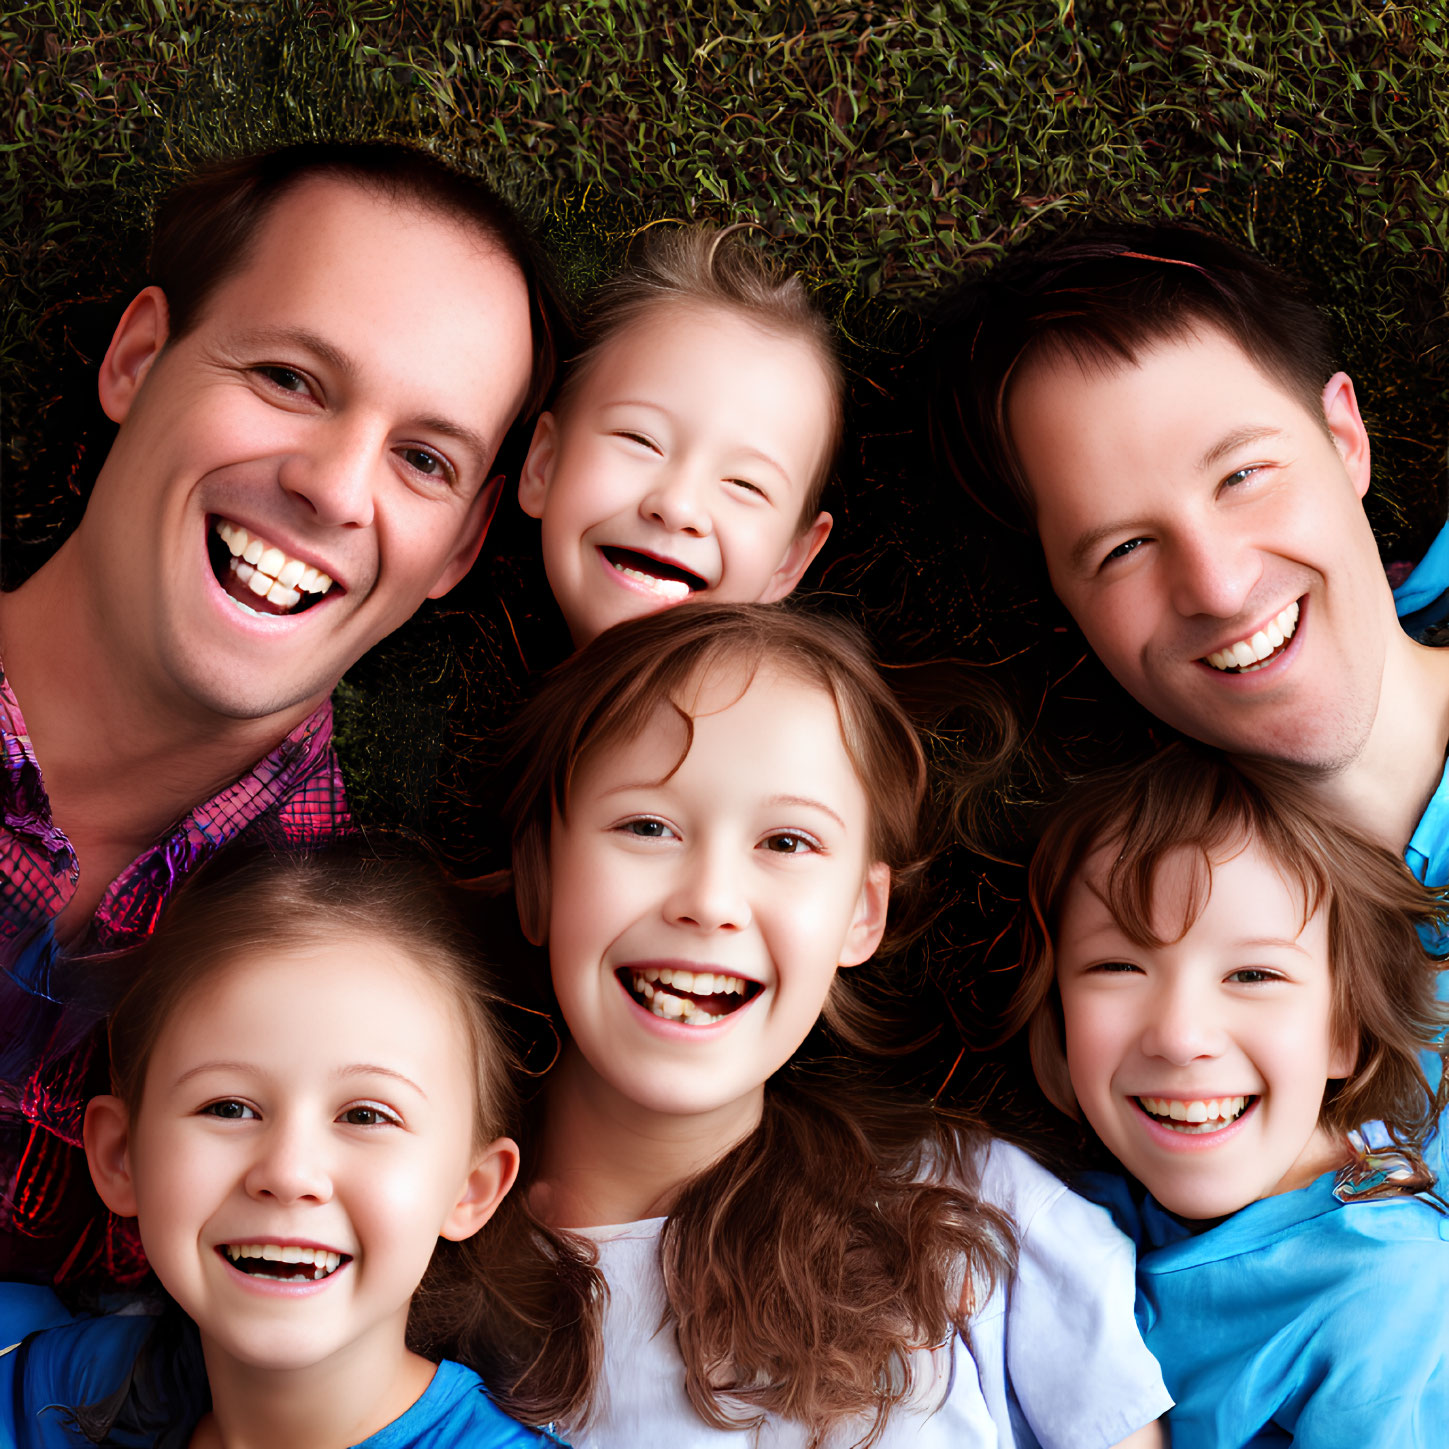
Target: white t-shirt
<point>1058,1361</point>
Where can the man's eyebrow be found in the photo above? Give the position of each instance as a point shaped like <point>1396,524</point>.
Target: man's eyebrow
<point>341,362</point>
<point>1240,438</point>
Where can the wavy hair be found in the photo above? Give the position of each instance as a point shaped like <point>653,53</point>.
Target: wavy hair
<point>1188,797</point>
<point>806,1267</point>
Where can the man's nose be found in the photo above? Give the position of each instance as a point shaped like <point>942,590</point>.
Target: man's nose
<point>290,1164</point>
<point>1212,571</point>
<point>334,474</point>
<point>676,501</point>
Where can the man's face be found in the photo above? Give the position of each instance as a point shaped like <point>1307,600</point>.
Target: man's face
<point>1207,533</point>
<point>680,468</point>
<point>299,471</point>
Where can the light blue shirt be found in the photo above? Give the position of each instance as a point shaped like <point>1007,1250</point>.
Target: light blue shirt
<point>1300,1319</point>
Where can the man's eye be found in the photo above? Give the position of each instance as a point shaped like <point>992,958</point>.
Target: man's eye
<point>229,1109</point>
<point>420,460</point>
<point>367,1115</point>
<point>788,842</point>
<point>283,378</point>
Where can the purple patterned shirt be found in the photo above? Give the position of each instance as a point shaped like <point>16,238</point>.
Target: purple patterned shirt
<point>53,999</point>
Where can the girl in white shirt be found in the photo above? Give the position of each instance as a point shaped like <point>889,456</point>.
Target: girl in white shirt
<point>713,810</point>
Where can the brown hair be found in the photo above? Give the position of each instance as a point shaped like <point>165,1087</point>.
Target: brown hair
<point>712,267</point>
<point>1187,797</point>
<point>205,228</point>
<point>804,1268</point>
<point>1100,295</point>
<point>490,1300</point>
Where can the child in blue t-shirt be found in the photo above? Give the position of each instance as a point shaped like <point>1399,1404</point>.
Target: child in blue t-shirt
<point>1227,983</point>
<point>310,1096</point>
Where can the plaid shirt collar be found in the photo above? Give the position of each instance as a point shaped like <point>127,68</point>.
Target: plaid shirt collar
<point>298,785</point>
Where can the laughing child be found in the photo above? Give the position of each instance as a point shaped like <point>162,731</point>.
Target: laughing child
<point>714,812</point>
<point>310,1092</point>
<point>690,442</point>
<point>1227,984</point>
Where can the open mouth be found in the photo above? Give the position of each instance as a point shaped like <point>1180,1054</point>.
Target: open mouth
<point>696,998</point>
<point>1195,1117</point>
<point>667,580</point>
<point>1260,649</point>
<point>258,577</point>
<point>279,1264</point>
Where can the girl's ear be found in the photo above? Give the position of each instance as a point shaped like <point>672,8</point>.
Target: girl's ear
<point>798,557</point>
<point>108,1151</point>
<point>137,342</point>
<point>1343,1060</point>
<point>870,916</point>
<point>487,1185</point>
<point>538,466</point>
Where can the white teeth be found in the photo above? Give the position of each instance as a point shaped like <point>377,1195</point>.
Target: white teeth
<point>1249,654</point>
<point>268,572</point>
<point>650,986</point>
<point>1207,1114</point>
<point>673,590</point>
<point>322,1261</point>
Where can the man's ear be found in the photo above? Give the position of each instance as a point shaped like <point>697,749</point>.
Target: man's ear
<point>808,542</point>
<point>870,916</point>
<point>1345,426</point>
<point>470,538</point>
<point>135,345</point>
<point>107,1133</point>
<point>492,1175</point>
<point>537,471</point>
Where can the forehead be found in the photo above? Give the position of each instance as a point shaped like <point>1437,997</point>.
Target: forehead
<point>1148,424</point>
<point>1227,889</point>
<point>394,287</point>
<point>758,719</point>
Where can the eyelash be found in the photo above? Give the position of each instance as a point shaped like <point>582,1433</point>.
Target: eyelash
<point>384,1116</point>
<point>1261,973</point>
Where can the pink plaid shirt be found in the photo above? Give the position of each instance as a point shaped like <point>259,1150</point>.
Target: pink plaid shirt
<point>51,1004</point>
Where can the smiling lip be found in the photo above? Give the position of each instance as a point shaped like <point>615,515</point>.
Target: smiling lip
<point>686,998</point>
<point>304,1257</point>
<point>650,573</point>
<point>261,578</point>
<point>1260,647</point>
<point>1177,1140</point>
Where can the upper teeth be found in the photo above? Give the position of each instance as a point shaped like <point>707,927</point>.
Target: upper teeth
<point>650,981</point>
<point>673,590</point>
<point>1209,1109</point>
<point>323,1258</point>
<point>266,570</point>
<point>1247,653</point>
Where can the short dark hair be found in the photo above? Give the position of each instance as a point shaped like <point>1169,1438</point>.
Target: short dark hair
<point>1100,295</point>
<point>205,228</point>
<point>1384,982</point>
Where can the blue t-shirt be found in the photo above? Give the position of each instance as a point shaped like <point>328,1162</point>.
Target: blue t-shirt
<point>1300,1319</point>
<point>85,1360</point>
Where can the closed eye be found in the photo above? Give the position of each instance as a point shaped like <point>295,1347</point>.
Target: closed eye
<point>229,1109</point>
<point>746,486</point>
<point>368,1114</point>
<point>1114,968</point>
<point>642,439</point>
